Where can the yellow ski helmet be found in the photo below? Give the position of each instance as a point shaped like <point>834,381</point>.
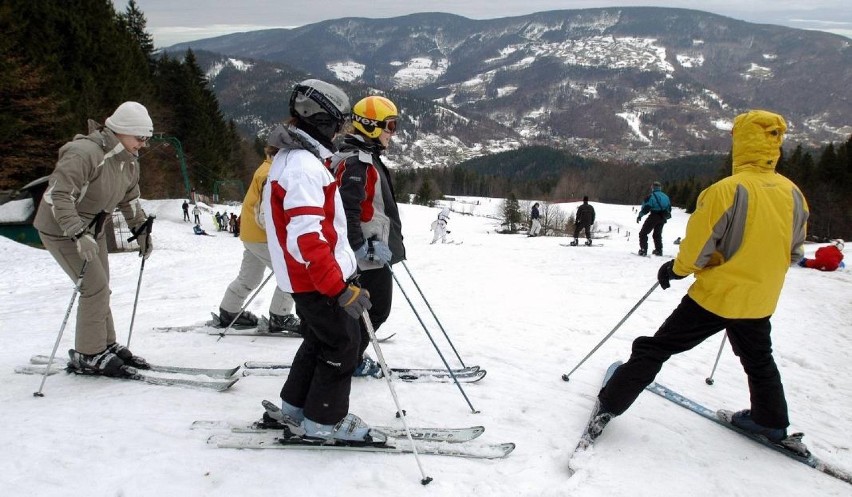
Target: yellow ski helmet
<point>372,114</point>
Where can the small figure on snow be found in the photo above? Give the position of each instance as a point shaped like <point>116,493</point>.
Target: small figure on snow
<point>827,258</point>
<point>727,293</point>
<point>584,220</point>
<point>196,213</point>
<point>185,208</point>
<point>660,207</point>
<point>439,226</point>
<point>535,224</point>
<point>199,231</point>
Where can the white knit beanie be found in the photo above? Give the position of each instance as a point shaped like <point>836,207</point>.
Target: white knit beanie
<point>131,118</point>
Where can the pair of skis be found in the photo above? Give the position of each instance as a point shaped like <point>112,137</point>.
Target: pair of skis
<point>202,378</point>
<point>722,418</point>
<point>453,442</point>
<point>470,374</point>
<point>215,327</point>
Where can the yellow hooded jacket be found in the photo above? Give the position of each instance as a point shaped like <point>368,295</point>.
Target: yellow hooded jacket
<point>250,230</point>
<point>747,228</point>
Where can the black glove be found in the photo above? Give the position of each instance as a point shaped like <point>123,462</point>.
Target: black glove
<point>666,274</point>
<point>354,300</point>
<point>639,219</point>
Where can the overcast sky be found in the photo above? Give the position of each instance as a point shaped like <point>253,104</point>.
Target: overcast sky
<point>175,21</point>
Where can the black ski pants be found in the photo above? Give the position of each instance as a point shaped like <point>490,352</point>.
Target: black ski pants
<point>379,282</point>
<point>579,227</point>
<point>688,326</point>
<point>654,222</point>
<point>321,376</point>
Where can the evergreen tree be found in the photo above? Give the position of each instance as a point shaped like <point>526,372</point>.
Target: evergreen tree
<point>511,213</point>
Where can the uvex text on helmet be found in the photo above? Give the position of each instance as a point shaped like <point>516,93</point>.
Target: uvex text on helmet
<point>371,115</point>
<point>320,104</point>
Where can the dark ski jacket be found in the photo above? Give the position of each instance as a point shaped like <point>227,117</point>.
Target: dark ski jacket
<point>585,215</point>
<point>368,197</point>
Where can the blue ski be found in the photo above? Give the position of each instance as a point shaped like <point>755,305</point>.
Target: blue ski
<point>722,417</point>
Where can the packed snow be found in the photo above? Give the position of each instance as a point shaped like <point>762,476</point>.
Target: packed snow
<point>525,309</point>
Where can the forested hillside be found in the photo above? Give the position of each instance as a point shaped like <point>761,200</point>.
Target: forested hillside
<point>66,62</point>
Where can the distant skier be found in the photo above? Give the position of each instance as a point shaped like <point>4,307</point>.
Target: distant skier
<point>439,226</point>
<point>199,231</point>
<point>535,224</point>
<point>196,213</point>
<point>745,231</point>
<point>185,208</point>
<point>827,258</point>
<point>584,220</point>
<point>660,207</point>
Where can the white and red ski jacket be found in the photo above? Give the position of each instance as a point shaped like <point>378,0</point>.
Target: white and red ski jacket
<point>306,223</point>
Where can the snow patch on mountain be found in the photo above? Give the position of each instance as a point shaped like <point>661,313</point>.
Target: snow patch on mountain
<point>419,71</point>
<point>635,123</point>
<point>757,72</point>
<point>606,51</point>
<point>237,64</point>
<point>347,70</point>
<point>688,61</point>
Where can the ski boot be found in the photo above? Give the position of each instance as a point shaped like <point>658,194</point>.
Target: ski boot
<point>598,421</point>
<point>643,252</point>
<point>283,323</point>
<point>742,420</point>
<point>246,319</point>
<point>104,363</point>
<point>368,367</point>
<point>657,252</point>
<point>127,356</point>
<point>350,430</point>
<point>588,243</point>
<point>574,243</point>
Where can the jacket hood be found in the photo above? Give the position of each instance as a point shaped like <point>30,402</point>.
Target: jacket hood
<point>757,138</point>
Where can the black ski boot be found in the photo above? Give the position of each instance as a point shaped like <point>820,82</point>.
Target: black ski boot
<point>104,363</point>
<point>246,319</point>
<point>127,356</point>
<point>283,323</point>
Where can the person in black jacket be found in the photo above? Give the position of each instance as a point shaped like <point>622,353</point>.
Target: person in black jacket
<point>372,216</point>
<point>535,220</point>
<point>584,219</point>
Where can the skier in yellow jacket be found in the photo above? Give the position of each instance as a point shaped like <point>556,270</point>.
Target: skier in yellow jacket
<point>746,231</point>
<point>255,261</point>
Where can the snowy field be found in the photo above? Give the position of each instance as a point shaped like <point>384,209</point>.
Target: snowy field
<point>525,309</point>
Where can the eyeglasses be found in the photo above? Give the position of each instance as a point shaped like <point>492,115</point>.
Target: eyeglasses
<point>143,139</point>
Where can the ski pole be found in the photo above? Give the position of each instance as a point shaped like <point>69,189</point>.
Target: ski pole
<point>449,369</point>
<point>709,380</point>
<point>144,228</point>
<point>430,310</point>
<point>425,480</point>
<point>77,289</point>
<point>567,376</point>
<point>243,309</point>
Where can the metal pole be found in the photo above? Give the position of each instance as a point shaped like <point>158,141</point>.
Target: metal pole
<point>449,369</point>
<point>135,301</point>
<point>144,228</point>
<point>567,376</point>
<point>430,310</point>
<point>381,358</point>
<point>709,380</point>
<point>77,289</point>
<point>222,334</point>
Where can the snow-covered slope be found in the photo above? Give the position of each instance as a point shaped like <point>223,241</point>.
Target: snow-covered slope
<point>525,309</point>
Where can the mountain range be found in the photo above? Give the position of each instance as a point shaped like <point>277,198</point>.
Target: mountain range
<point>639,84</point>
